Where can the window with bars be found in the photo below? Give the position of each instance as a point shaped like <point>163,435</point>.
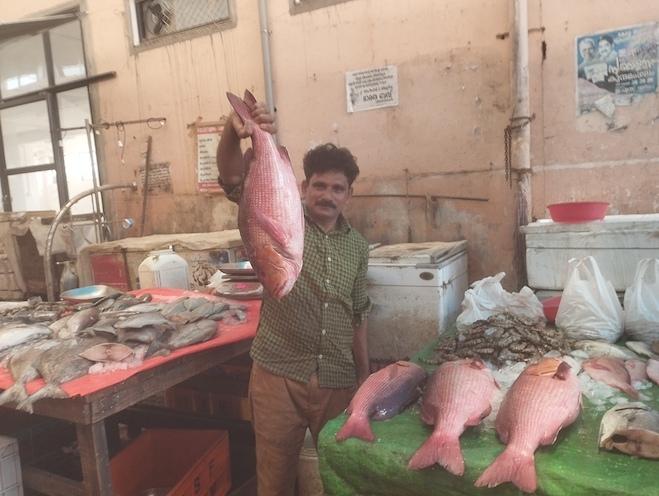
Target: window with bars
<point>300,6</point>
<point>155,19</point>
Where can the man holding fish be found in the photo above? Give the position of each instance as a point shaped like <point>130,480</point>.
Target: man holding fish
<point>311,345</point>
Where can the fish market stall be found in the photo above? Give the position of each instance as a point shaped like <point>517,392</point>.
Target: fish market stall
<point>92,398</point>
<point>573,465</point>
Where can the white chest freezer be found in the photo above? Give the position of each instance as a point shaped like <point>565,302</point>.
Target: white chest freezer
<point>416,290</point>
<point>617,243</point>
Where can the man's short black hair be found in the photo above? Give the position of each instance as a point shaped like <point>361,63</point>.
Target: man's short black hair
<point>329,157</point>
<point>607,38</point>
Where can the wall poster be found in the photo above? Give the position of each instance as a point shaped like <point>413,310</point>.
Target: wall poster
<point>207,138</point>
<point>615,68</point>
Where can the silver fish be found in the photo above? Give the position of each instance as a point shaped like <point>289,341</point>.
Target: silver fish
<point>194,333</point>
<point>632,428</point>
<point>15,334</point>
<point>145,335</point>
<point>145,307</point>
<point>22,368</point>
<point>175,306</point>
<point>597,349</point>
<point>143,320</point>
<point>58,365</point>
<point>77,322</point>
<point>640,348</point>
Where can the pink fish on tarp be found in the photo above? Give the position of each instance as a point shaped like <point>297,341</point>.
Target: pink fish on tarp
<point>458,395</point>
<point>544,399</point>
<point>637,370</point>
<point>611,371</point>
<point>382,395</point>
<point>653,370</point>
<point>270,216</point>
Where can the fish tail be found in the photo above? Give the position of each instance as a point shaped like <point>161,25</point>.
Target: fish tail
<point>441,448</point>
<point>15,394</point>
<point>510,466</point>
<point>48,391</point>
<point>630,391</point>
<point>356,426</point>
<point>240,107</point>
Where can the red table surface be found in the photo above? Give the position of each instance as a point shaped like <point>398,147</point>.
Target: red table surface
<point>226,334</point>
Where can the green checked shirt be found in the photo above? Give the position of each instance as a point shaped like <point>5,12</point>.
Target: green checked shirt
<point>311,329</point>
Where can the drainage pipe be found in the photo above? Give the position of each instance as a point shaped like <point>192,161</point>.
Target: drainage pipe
<point>267,58</point>
<point>521,142</point>
<point>47,262</point>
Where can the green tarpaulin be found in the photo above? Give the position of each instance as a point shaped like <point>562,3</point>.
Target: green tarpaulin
<point>573,466</point>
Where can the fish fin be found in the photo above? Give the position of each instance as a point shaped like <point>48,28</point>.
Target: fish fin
<point>274,229</point>
<point>477,419</point>
<point>358,427</point>
<point>439,448</point>
<point>48,391</point>
<point>284,154</point>
<point>477,364</point>
<point>630,391</point>
<point>240,107</point>
<point>563,371</point>
<point>248,157</point>
<point>249,97</point>
<point>510,466</point>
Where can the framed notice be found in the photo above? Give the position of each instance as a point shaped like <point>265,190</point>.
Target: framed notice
<point>372,88</point>
<point>208,137</point>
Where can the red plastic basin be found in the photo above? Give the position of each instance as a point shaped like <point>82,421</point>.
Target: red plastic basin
<point>550,307</point>
<point>574,212</point>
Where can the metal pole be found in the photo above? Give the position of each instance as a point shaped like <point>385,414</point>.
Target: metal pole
<point>521,145</point>
<point>47,263</point>
<point>96,201</point>
<point>267,57</point>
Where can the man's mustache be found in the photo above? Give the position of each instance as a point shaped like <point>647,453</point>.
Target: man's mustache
<point>326,203</point>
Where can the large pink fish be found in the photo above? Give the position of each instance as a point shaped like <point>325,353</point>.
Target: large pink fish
<point>458,395</point>
<point>382,395</point>
<point>270,216</point>
<point>544,399</point>
<point>611,371</point>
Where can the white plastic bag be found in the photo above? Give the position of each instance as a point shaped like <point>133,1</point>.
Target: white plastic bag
<point>487,297</point>
<point>589,306</point>
<point>642,302</point>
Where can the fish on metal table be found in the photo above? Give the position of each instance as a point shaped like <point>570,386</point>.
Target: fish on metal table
<point>22,368</point>
<point>458,395</point>
<point>382,395</point>
<point>632,428</point>
<point>77,322</point>
<point>143,320</point>
<point>270,216</point>
<point>57,365</point>
<point>611,371</point>
<point>14,334</point>
<point>189,334</point>
<point>542,400</point>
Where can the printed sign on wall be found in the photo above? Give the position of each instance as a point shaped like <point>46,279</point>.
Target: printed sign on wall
<point>616,67</point>
<point>372,88</point>
<point>208,137</point>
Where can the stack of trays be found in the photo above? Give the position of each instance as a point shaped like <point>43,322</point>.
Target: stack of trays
<point>239,281</point>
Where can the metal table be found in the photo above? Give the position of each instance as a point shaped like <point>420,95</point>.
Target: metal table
<point>89,412</point>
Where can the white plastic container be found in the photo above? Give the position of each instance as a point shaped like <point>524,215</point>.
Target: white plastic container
<point>617,243</point>
<point>164,269</point>
<point>416,290</point>
<point>11,482</point>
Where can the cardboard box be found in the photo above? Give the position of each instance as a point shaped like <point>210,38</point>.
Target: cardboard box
<point>189,462</point>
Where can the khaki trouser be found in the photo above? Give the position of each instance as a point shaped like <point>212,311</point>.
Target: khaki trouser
<point>282,409</point>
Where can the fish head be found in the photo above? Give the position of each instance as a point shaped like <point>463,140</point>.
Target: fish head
<point>276,272</point>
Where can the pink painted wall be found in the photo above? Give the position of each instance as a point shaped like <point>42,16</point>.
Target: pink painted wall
<point>444,139</point>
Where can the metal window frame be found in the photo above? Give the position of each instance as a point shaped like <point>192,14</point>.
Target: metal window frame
<point>49,95</point>
<point>301,6</point>
<point>140,43</point>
